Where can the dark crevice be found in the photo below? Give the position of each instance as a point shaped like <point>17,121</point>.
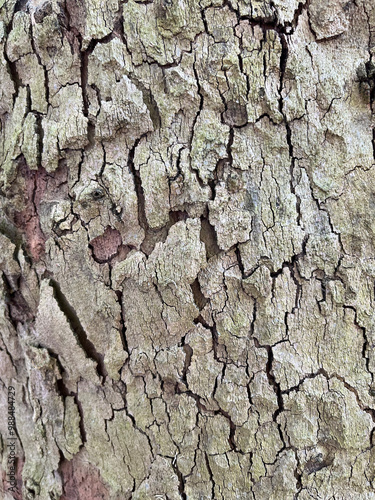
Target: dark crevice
<point>229,146</point>
<point>85,54</point>
<point>40,135</point>
<point>123,326</point>
<point>293,261</point>
<point>297,13</point>
<point>149,100</point>
<point>94,42</point>
<point>81,420</point>
<point>78,330</point>
<point>368,77</point>
<point>181,480</point>
<point>42,12</point>
<point>272,22</point>
<point>62,389</point>
<point>91,132</point>
<point>8,229</point>
<point>211,475</point>
<point>199,299</point>
<point>232,430</point>
<point>296,388</point>
<point>177,216</point>
<point>212,183</point>
<point>366,344</point>
<point>274,384</point>
<point>199,320</point>
<point>204,21</point>
<point>240,263</point>
<point>142,219</point>
<point>18,309</point>
<point>84,80</point>
<point>159,235</point>
<point>64,392</point>
<point>122,389</point>
<point>209,237</point>
<point>188,355</point>
<point>297,473</point>
<point>13,73</point>
<point>283,62</point>
<point>317,463</point>
<point>201,101</point>
<point>20,5</point>
<point>272,380</point>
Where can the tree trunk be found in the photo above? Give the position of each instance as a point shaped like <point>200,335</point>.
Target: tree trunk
<point>187,249</point>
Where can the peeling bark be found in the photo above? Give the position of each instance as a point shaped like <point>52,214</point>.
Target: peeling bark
<point>187,238</point>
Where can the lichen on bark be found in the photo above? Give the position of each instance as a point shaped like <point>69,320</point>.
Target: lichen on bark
<point>187,248</point>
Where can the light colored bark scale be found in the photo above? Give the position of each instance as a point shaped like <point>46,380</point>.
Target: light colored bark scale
<point>187,248</point>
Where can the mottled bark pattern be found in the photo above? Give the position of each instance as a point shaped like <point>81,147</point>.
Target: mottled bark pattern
<point>188,248</point>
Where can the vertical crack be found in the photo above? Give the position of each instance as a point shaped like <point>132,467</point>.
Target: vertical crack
<point>84,71</point>
<point>142,219</point>
<point>199,299</point>
<point>211,475</point>
<point>64,392</point>
<point>12,69</point>
<point>274,384</point>
<point>188,355</point>
<point>122,331</point>
<point>78,330</point>
<point>181,480</point>
<point>209,237</point>
<point>366,344</point>
<point>283,62</point>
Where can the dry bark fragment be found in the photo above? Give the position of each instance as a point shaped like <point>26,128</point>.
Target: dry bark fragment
<point>186,234</point>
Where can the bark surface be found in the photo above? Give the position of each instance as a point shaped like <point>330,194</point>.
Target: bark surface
<point>187,238</point>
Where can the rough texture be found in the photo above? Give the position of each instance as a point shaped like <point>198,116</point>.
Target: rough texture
<point>187,244</point>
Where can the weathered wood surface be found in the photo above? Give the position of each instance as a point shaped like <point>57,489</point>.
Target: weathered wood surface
<point>188,248</point>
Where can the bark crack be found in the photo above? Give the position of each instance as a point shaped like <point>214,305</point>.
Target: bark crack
<point>78,330</point>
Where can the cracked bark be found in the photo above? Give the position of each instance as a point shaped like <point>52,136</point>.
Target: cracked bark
<point>187,238</point>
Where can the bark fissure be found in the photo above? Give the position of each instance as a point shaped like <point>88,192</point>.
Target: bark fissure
<point>78,330</point>
<point>187,247</point>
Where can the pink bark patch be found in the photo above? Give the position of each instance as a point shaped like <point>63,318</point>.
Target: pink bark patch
<point>106,246</point>
<point>81,481</point>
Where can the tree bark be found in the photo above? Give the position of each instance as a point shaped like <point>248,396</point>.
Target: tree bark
<point>187,249</point>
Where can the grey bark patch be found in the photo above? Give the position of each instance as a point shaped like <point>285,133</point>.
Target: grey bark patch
<point>186,248</point>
